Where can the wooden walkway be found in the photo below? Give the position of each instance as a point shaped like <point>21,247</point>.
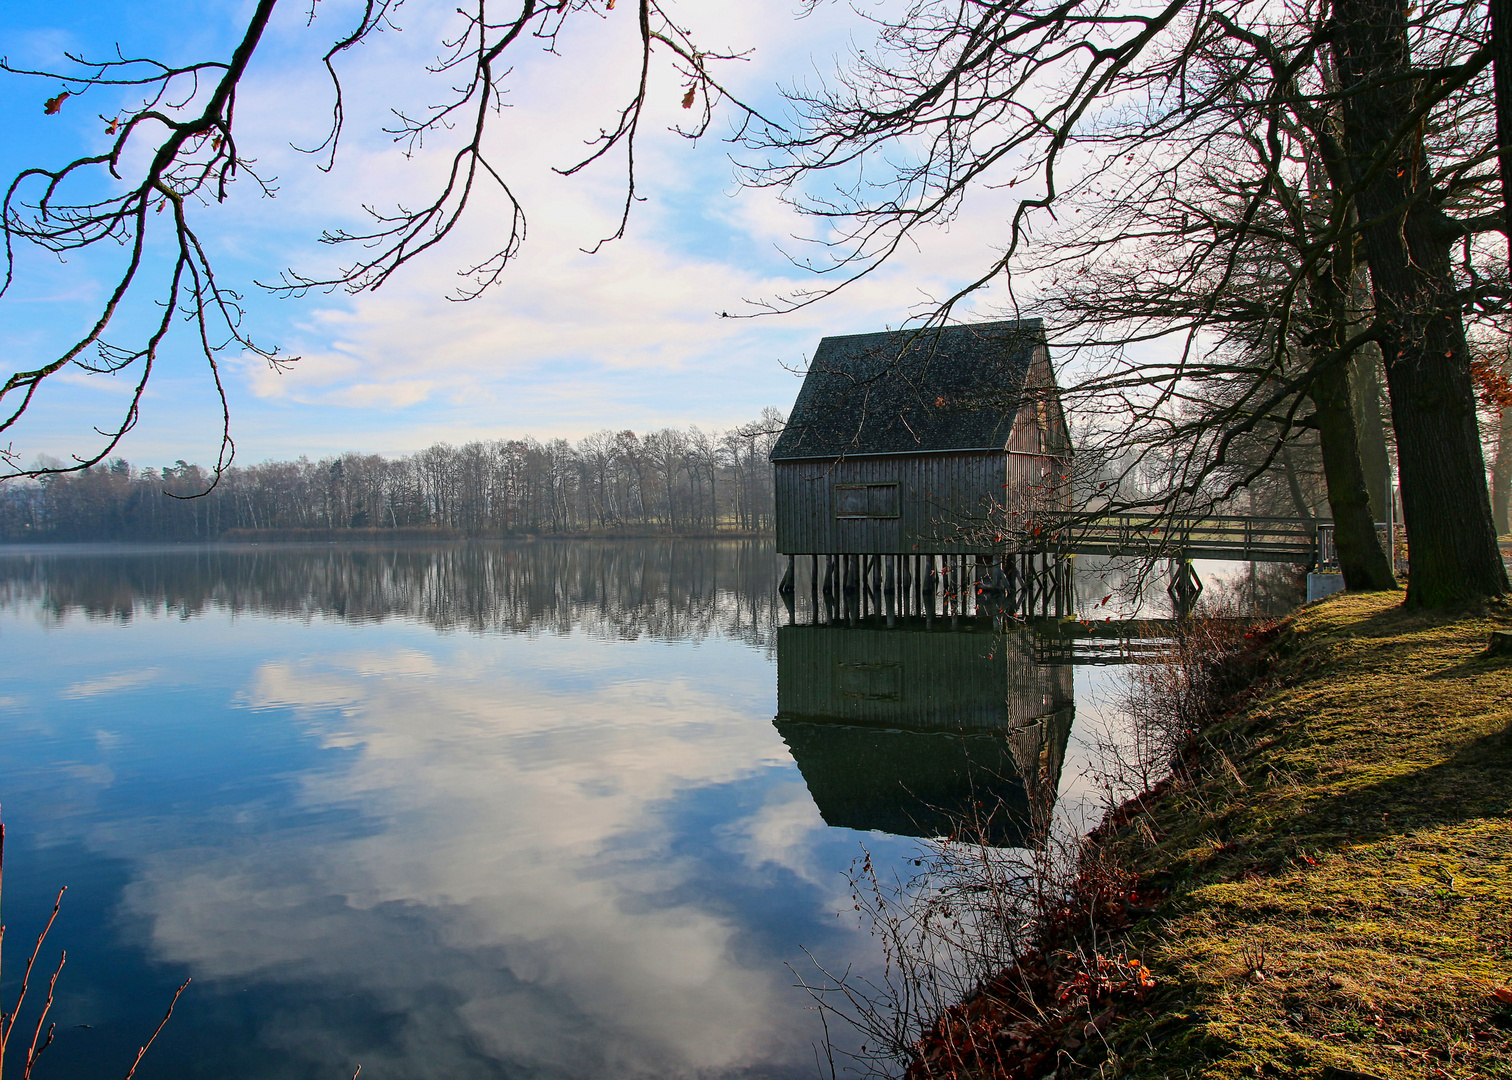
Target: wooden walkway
<point>1036,581</point>
<point>1245,539</point>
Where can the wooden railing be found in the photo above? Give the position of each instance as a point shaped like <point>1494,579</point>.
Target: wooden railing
<point>1247,539</point>
<point>1328,552</point>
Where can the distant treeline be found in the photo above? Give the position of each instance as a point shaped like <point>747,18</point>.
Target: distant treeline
<point>669,481</point>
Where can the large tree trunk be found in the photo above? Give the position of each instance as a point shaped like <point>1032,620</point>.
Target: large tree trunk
<point>1501,476</point>
<point>1365,384</point>
<point>1300,504</point>
<point>1370,427</point>
<point>1331,296</point>
<point>1445,504</point>
<point>1361,558</point>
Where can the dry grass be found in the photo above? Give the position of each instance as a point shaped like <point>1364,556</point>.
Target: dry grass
<point>1340,856</point>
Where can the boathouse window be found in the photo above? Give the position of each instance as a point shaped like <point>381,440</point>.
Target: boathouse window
<point>871,682</point>
<point>866,500</point>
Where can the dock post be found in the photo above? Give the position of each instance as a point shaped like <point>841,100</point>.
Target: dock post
<point>953,591</point>
<point>1184,588</point>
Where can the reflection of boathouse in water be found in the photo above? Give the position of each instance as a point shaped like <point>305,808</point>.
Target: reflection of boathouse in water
<point>907,730</point>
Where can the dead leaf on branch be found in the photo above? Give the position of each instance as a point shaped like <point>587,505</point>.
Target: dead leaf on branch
<point>1493,387</point>
<point>688,97</point>
<point>53,104</point>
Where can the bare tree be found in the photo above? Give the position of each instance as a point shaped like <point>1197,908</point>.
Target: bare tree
<point>1194,253</point>
<point>175,151</point>
<point>1073,101</point>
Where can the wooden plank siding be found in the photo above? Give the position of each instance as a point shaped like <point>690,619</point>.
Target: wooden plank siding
<point>942,444</point>
<point>916,679</point>
<point>944,501</point>
<point>905,731</point>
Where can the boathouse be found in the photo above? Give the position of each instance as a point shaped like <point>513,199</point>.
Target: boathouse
<point>914,454</point>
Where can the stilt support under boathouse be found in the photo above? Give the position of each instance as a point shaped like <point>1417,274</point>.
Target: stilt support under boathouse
<point>856,589</point>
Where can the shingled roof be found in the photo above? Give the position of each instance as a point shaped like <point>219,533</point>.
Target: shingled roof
<point>909,392</point>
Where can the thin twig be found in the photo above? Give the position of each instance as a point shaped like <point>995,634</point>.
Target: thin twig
<point>34,1052</point>
<point>26,975</point>
<point>166,1017</point>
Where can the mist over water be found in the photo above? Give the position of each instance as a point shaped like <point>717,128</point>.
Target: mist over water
<point>474,810</point>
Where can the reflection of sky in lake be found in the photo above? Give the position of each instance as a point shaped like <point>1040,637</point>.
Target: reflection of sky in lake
<point>514,811</point>
<point>433,854</point>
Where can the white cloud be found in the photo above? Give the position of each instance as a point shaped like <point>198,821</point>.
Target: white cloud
<point>481,911</point>
<point>781,835</point>
<point>644,306</point>
<point>115,683</point>
<point>568,343</point>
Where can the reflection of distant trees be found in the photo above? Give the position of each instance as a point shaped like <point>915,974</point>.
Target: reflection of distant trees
<point>667,589</point>
<point>665,481</point>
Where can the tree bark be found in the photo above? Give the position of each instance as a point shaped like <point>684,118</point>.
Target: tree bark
<point>1332,300</point>
<point>1361,558</point>
<point>1501,476</point>
<point>1294,484</point>
<point>1445,503</point>
<point>1365,384</point>
<point>1501,46</point>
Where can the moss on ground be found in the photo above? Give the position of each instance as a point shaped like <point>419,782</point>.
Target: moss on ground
<point>1340,863</point>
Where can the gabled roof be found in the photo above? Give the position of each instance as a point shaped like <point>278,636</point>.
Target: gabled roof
<point>912,391</point>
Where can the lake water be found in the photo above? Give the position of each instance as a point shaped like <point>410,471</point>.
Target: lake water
<point>487,810</point>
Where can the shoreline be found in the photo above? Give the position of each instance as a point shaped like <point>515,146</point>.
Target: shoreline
<point>1321,888</point>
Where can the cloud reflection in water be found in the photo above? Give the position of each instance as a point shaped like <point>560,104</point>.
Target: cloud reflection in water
<point>514,895</point>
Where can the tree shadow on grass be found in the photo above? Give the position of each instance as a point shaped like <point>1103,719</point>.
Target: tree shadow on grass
<point>1475,783</point>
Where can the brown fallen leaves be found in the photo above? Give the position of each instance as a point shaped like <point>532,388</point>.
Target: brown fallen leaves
<point>1057,999</point>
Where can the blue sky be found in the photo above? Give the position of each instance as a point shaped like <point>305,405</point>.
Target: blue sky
<point>568,344</point>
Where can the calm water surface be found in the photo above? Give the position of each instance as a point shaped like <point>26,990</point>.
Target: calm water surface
<point>507,810</point>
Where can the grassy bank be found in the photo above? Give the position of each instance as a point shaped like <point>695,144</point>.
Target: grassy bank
<point>1322,889</point>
